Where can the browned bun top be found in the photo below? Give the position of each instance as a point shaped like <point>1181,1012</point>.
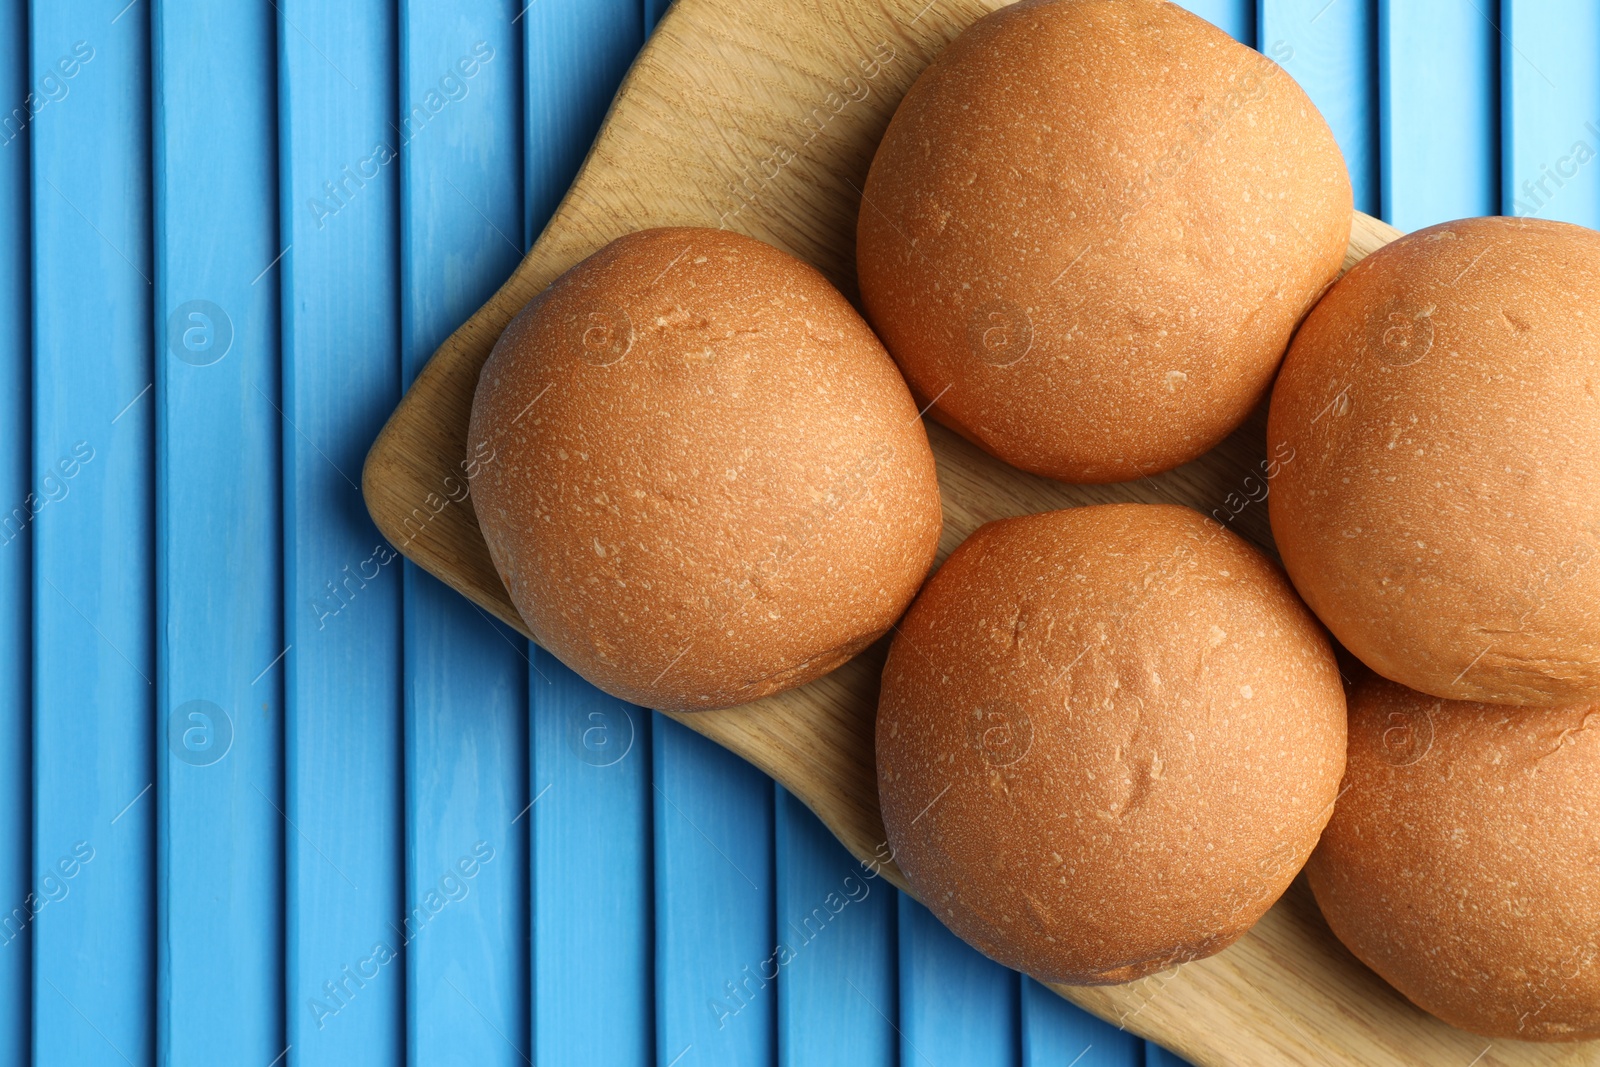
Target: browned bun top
<point>699,474</point>
<point>1442,512</point>
<point>1462,862</point>
<point>1107,740</point>
<point>1090,230</point>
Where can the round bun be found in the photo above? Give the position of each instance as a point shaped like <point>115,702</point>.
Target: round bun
<point>1462,862</point>
<point>699,474</point>
<point>1107,740</point>
<point>1441,513</point>
<point>1090,230</point>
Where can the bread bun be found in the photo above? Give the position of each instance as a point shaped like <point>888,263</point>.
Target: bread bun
<point>1463,860</point>
<point>699,474</point>
<point>1090,230</point>
<point>1107,740</point>
<point>1442,511</point>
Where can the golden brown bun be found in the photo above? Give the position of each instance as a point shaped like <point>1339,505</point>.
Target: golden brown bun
<point>1107,740</point>
<point>1462,862</point>
<point>1442,511</point>
<point>699,474</point>
<point>1090,230</point>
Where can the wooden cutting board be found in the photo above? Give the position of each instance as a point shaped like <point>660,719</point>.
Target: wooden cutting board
<point>762,116</point>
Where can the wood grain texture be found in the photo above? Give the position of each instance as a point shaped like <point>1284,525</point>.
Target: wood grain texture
<point>343,730</point>
<point>219,599</point>
<point>95,723</point>
<point>16,564</point>
<point>763,118</point>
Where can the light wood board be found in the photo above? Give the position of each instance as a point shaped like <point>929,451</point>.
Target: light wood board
<point>762,116</point>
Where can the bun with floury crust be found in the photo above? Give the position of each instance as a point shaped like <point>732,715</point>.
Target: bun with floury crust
<point>1090,230</point>
<point>1462,862</point>
<point>1107,740</point>
<point>699,474</point>
<point>1442,514</point>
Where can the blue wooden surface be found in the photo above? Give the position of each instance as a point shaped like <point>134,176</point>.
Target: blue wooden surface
<point>1438,110</point>
<point>338,208</point>
<point>1551,87</point>
<point>433,843</point>
<point>1054,1034</point>
<point>717,962</point>
<point>836,923</point>
<point>94,712</point>
<point>16,541</point>
<point>956,1007</point>
<point>219,683</point>
<point>593,916</point>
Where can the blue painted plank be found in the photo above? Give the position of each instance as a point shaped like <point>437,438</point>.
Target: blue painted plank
<point>219,551</point>
<point>1237,18</point>
<point>1156,1056</point>
<point>836,918</point>
<point>339,204</point>
<point>1329,46</point>
<point>716,956</point>
<point>592,906</point>
<point>466,920</point>
<point>16,545</point>
<point>956,1006</point>
<point>653,10</point>
<point>1056,1033</point>
<point>1551,109</point>
<point>466,693</point>
<point>565,101</point>
<point>93,655</point>
<point>1439,97</point>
